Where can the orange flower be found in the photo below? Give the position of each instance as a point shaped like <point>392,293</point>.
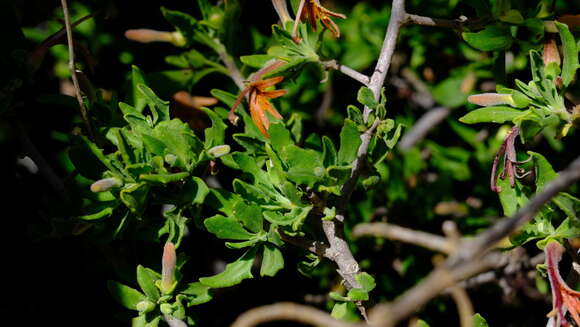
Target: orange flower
<point>312,10</point>
<point>259,98</point>
<point>563,297</point>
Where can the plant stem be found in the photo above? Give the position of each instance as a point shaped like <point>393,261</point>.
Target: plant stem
<point>71,66</point>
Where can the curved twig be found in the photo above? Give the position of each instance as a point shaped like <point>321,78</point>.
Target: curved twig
<point>289,311</point>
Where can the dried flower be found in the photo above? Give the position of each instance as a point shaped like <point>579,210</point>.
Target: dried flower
<point>563,297</point>
<point>313,11</point>
<point>282,11</point>
<point>510,163</point>
<point>259,96</point>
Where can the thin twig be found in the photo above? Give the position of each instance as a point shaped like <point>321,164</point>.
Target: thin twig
<point>231,66</point>
<point>426,123</point>
<point>435,22</point>
<point>378,78</point>
<point>289,311</point>
<point>357,76</point>
<point>464,305</point>
<point>471,257</point>
<point>319,248</point>
<point>407,235</point>
<point>71,66</point>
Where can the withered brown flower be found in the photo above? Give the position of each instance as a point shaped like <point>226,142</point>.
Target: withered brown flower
<point>511,167</point>
<point>313,11</point>
<point>259,97</point>
<point>563,297</point>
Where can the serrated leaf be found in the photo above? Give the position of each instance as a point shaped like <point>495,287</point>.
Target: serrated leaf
<point>234,273</point>
<point>250,215</point>
<point>493,37</point>
<point>146,279</point>
<point>279,136</point>
<point>349,142</point>
<point>491,115</point>
<point>159,108</point>
<point>214,135</point>
<point>125,295</point>
<point>272,260</point>
<point>569,48</point>
<point>226,228</point>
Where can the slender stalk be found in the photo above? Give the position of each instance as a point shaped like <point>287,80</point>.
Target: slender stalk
<point>71,66</point>
<point>357,76</point>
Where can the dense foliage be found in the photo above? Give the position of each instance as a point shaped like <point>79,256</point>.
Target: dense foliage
<point>209,164</point>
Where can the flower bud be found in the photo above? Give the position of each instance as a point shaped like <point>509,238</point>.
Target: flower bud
<point>145,35</point>
<point>219,150</point>
<point>186,99</point>
<point>491,99</point>
<point>551,53</point>
<point>106,184</point>
<point>168,263</point>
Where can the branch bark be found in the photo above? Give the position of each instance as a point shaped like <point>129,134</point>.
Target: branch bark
<point>289,311</point>
<point>407,235</point>
<point>473,255</point>
<point>360,77</point>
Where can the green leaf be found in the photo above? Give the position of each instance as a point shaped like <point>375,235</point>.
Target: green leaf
<point>272,260</point>
<point>421,323</point>
<point>125,295</point>
<point>234,273</point>
<point>491,115</point>
<point>275,217</point>
<point>194,191</point>
<point>146,279</point>
<point>214,135</point>
<point>197,293</point>
<point>250,215</point>
<point>448,92</point>
<point>104,210</point>
<point>349,142</point>
<point>358,294</point>
<point>279,137</point>
<point>493,37</point>
<point>159,108</point>
<point>329,155</point>
<point>163,179</point>
<point>134,196</point>
<point>479,321</point>
<point>366,97</point>
<point>391,142</point>
<point>179,141</point>
<point>570,63</point>
<point>226,228</point>
<point>544,171</point>
<point>303,171</point>
<point>366,281</point>
<point>256,61</point>
<point>137,99</point>
<point>508,197</point>
<point>141,321</point>
<point>340,311</point>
